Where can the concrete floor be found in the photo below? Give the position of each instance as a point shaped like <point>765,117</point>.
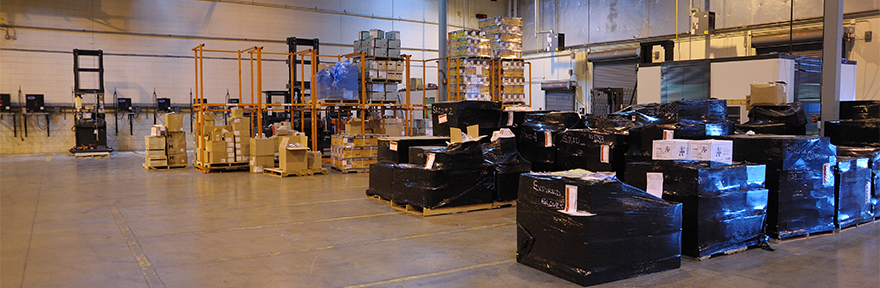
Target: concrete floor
<point>108,223</point>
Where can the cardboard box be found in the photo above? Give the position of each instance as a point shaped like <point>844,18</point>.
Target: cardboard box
<point>237,113</point>
<point>216,146</point>
<point>293,159</point>
<point>175,142</point>
<point>156,153</point>
<point>393,53</point>
<point>155,162</point>
<point>353,126</point>
<point>711,150</point>
<point>263,161</point>
<point>377,33</point>
<point>673,149</point>
<point>392,35</point>
<point>177,159</point>
<point>174,122</point>
<point>393,44</point>
<point>154,142</point>
<point>263,147</point>
<point>314,159</point>
<point>767,94</point>
<point>157,130</point>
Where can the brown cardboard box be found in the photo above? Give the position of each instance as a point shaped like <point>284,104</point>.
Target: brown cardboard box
<point>263,146</point>
<point>300,138</point>
<point>263,161</point>
<point>314,159</point>
<point>174,122</point>
<point>156,162</point>
<point>154,142</point>
<point>177,159</point>
<point>156,153</point>
<point>216,157</point>
<point>175,142</point>
<point>243,128</point>
<point>767,94</point>
<point>292,158</point>
<point>217,146</point>
<point>237,113</point>
<point>353,126</point>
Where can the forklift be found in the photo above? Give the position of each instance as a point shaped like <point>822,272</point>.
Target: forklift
<point>89,121</point>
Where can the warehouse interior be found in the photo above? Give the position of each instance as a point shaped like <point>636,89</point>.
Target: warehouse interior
<point>438,143</point>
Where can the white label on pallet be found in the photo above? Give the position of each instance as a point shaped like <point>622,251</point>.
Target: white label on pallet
<point>429,164</point>
<point>392,146</point>
<point>655,184</point>
<point>668,134</point>
<point>571,198</point>
<point>868,192</point>
<point>548,138</point>
<point>827,174</point>
<point>509,118</point>
<point>605,156</point>
<point>441,119</point>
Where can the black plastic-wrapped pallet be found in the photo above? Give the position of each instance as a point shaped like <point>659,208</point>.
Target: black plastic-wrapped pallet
<point>461,114</point>
<point>852,192</point>
<point>396,150</point>
<point>592,149</point>
<point>508,165</point>
<point>788,119</point>
<point>536,141</point>
<point>695,110</point>
<point>620,121</point>
<point>632,233</point>
<point>513,119</point>
<point>800,178</point>
<point>381,178</point>
<point>455,156</point>
<point>723,205</point>
<point>860,109</point>
<point>433,189</point>
<point>642,138</point>
<point>865,132</point>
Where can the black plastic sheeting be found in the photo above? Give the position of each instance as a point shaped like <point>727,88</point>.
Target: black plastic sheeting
<point>852,192</point>
<point>538,131</point>
<point>455,156</point>
<point>859,110</point>
<point>433,189</point>
<point>592,149</point>
<point>508,165</point>
<point>513,119</point>
<point>786,119</point>
<point>620,121</point>
<point>854,132</point>
<point>695,110</point>
<point>461,114</point>
<point>632,233</point>
<point>381,178</point>
<point>723,205</point>
<point>401,154</point>
<point>800,177</point>
<point>873,155</point>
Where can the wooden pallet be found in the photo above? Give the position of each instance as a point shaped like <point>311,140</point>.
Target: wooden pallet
<point>801,237</point>
<point>283,173</point>
<point>155,168</point>
<point>351,170</point>
<point>91,154</point>
<point>728,252</point>
<point>851,226</point>
<point>416,210</point>
<point>209,167</point>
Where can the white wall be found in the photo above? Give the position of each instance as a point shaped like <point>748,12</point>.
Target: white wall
<point>148,45</point>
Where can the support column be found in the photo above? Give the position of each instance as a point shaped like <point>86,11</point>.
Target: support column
<point>831,56</point>
<point>441,40</point>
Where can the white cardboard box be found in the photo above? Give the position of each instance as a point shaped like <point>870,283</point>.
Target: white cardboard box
<point>673,149</point>
<point>711,150</point>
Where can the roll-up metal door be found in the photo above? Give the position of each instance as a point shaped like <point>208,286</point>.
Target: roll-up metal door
<point>617,69</point>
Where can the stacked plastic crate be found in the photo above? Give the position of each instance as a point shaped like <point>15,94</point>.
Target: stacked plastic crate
<point>469,66</point>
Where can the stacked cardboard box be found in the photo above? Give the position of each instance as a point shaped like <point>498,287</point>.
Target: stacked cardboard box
<point>469,79</point>
<point>353,151</point>
<point>167,145</point>
<point>294,154</point>
<point>378,43</point>
<point>468,43</point>
<point>505,36</point>
<point>225,143</point>
<point>509,80</point>
<point>262,153</point>
<point>384,69</point>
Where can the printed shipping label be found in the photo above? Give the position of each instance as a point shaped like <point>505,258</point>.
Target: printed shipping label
<point>605,156</point>
<point>548,138</point>
<point>392,146</point>
<point>441,119</point>
<point>571,197</point>
<point>655,184</point>
<point>430,162</point>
